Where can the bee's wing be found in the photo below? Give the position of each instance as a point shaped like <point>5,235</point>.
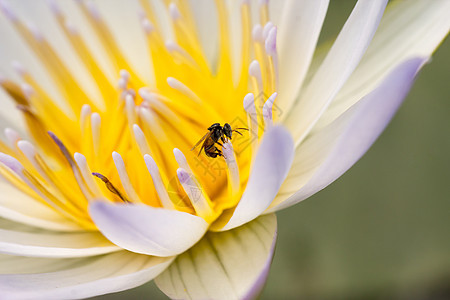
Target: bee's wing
<point>201,140</point>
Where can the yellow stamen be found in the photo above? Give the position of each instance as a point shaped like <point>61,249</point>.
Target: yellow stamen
<point>145,124</point>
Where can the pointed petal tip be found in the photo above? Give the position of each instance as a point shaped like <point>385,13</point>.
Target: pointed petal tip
<point>359,127</point>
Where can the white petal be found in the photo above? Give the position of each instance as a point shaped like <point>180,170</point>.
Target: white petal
<point>408,29</point>
<point>340,62</point>
<point>328,153</point>
<point>299,31</point>
<point>81,278</point>
<point>271,165</point>
<point>17,239</point>
<point>19,207</point>
<point>147,230</point>
<point>226,265</point>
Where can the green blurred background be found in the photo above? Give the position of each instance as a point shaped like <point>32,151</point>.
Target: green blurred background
<point>381,231</point>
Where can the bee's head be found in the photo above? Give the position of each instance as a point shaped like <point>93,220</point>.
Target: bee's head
<point>227,130</point>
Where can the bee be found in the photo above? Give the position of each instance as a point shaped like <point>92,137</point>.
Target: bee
<point>215,134</point>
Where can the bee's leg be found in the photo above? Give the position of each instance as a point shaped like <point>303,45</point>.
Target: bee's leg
<point>219,152</point>
<point>219,144</point>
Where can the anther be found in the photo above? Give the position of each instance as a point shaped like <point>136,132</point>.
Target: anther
<point>27,90</point>
<point>19,68</point>
<point>252,119</point>
<point>124,178</point>
<point>93,11</point>
<point>111,187</point>
<point>12,136</point>
<point>271,50</point>
<point>173,47</point>
<point>7,11</point>
<point>34,30</point>
<point>85,171</point>
<point>254,70</point>
<point>182,163</point>
<point>257,33</point>
<point>84,116</point>
<point>267,28</point>
<point>174,12</point>
<point>12,163</point>
<point>181,160</point>
<point>130,110</point>
<point>54,7</point>
<point>157,182</point>
<point>147,26</point>
<point>71,27</point>
<point>95,128</point>
<point>179,86</point>
<point>125,75</point>
<point>232,169</point>
<point>271,42</point>
<point>195,194</point>
<point>141,141</point>
<point>267,111</point>
<point>124,79</point>
<point>31,154</point>
<point>27,149</point>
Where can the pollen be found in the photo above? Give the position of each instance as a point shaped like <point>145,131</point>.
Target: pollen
<point>134,144</point>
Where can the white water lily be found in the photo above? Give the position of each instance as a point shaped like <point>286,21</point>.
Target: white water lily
<point>203,227</point>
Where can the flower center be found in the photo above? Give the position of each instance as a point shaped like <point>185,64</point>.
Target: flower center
<point>149,129</point>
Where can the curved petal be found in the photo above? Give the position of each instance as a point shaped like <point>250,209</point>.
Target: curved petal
<point>224,265</point>
<point>19,207</point>
<point>18,239</point>
<point>338,65</point>
<point>327,154</point>
<point>82,278</point>
<point>408,29</point>
<point>147,230</point>
<point>272,163</point>
<point>299,31</point>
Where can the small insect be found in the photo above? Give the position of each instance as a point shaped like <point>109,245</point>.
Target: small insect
<point>215,134</point>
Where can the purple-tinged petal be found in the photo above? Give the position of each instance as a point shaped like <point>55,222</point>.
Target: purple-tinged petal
<point>328,153</point>
<point>419,27</point>
<point>224,265</point>
<point>337,66</point>
<point>80,278</point>
<point>143,229</point>
<point>270,167</point>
